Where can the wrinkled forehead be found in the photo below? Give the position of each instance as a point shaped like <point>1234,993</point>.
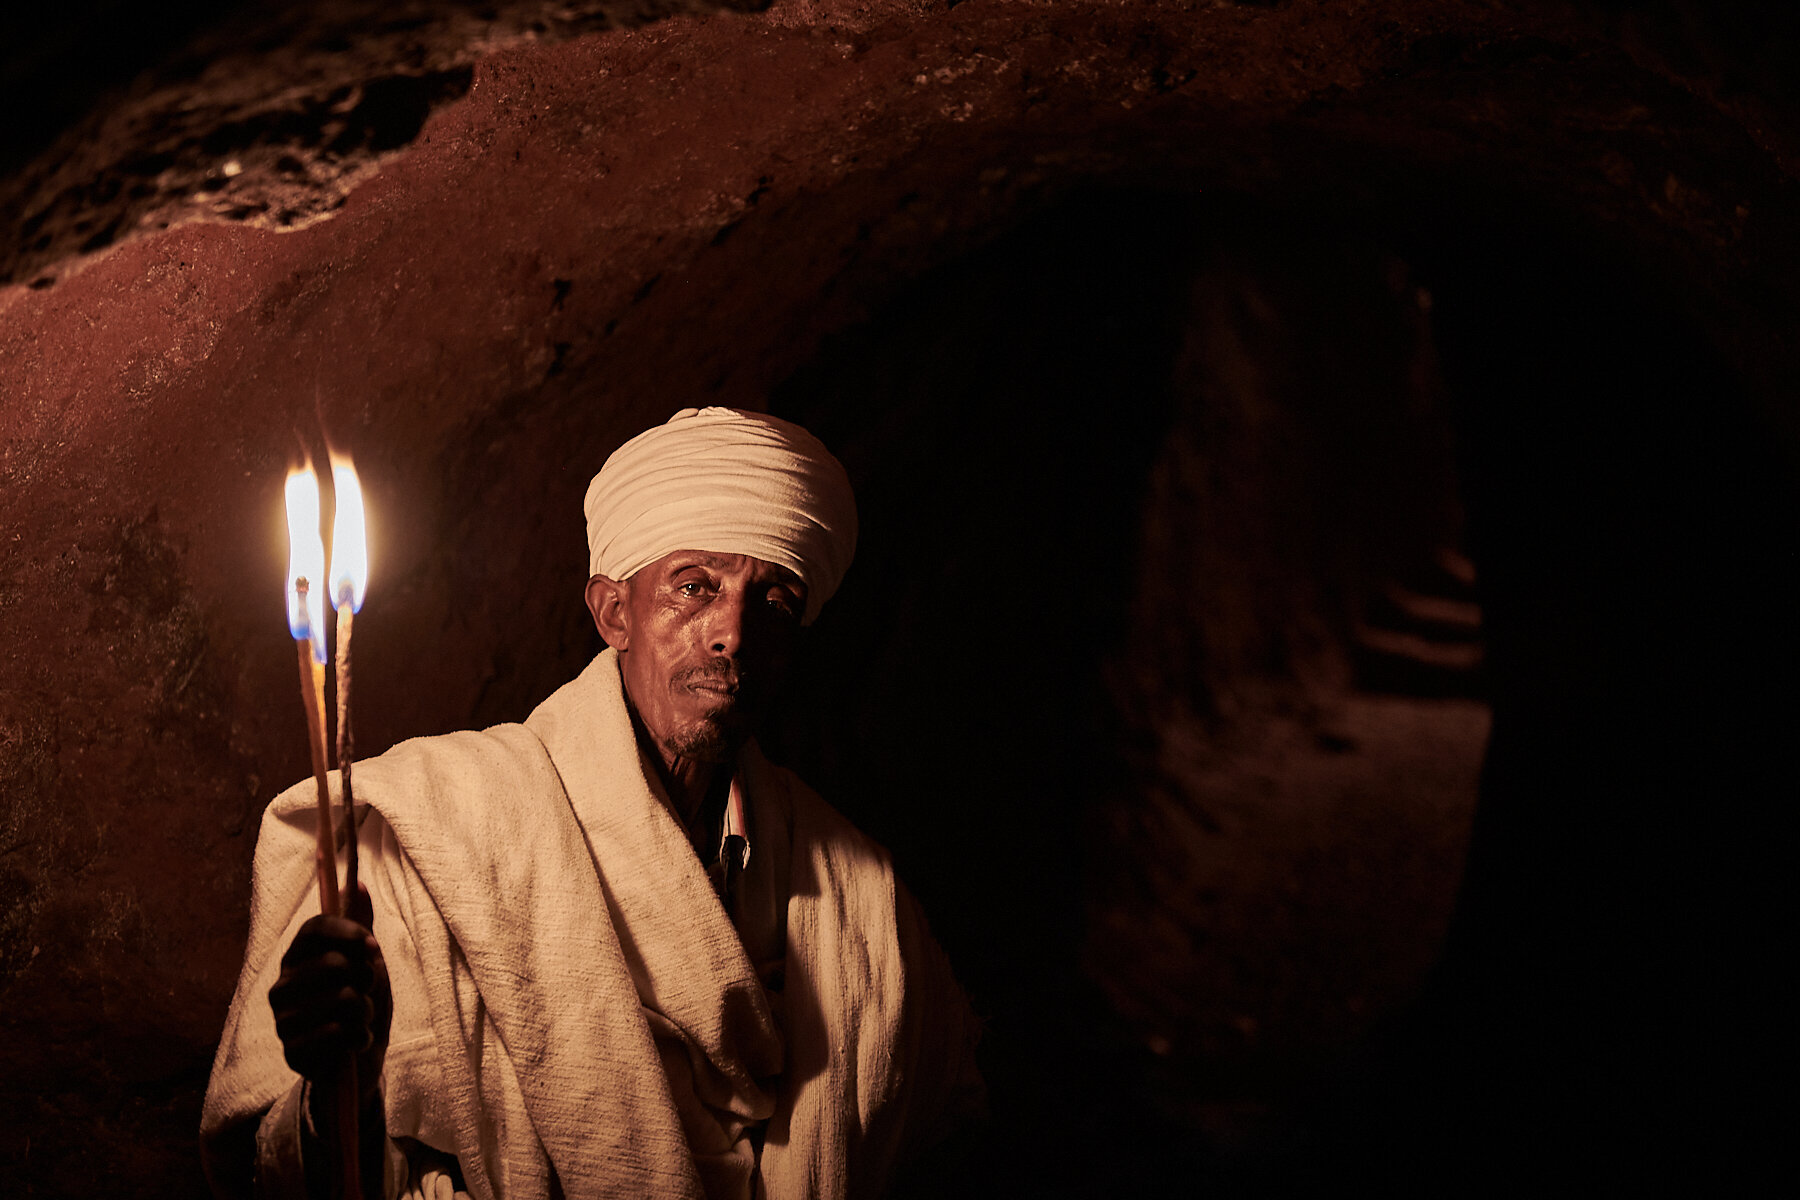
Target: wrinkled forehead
<point>721,563</point>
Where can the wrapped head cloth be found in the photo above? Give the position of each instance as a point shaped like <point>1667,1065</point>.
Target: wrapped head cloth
<point>728,482</point>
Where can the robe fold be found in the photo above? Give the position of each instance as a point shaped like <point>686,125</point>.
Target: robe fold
<point>575,1014</point>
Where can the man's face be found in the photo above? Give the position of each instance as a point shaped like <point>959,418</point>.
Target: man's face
<point>704,642</point>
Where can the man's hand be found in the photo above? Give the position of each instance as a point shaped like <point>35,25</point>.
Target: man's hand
<point>332,998</point>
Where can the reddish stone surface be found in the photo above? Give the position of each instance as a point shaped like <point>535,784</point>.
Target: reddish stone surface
<point>600,231</point>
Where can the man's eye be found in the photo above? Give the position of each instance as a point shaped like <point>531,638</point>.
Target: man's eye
<point>692,587</point>
<point>782,603</point>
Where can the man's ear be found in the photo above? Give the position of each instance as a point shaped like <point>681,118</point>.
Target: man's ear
<point>606,600</point>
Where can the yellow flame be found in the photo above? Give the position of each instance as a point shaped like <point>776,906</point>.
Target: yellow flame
<point>349,538</point>
<point>306,560</point>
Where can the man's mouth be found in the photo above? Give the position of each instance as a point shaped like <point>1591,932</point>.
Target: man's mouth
<point>720,688</point>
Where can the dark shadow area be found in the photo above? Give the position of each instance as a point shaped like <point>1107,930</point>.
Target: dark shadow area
<point>1608,1012</point>
<point>998,422</point>
<point>1132,478</point>
<point>57,61</point>
<point>991,697</point>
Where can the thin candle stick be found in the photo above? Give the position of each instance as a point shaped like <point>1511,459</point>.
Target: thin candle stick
<point>349,1135</point>
<point>348,1094</point>
<point>346,746</point>
<point>312,697</point>
<point>302,511</point>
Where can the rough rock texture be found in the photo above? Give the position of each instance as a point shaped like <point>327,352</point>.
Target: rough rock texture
<point>1166,344</point>
<point>269,118</point>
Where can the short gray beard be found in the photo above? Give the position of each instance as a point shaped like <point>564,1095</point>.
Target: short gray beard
<point>702,742</point>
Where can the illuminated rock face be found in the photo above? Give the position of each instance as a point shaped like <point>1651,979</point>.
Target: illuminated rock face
<point>1178,357</point>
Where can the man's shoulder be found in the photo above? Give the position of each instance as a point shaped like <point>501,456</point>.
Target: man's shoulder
<point>497,748</point>
<point>817,828</point>
<point>439,774</point>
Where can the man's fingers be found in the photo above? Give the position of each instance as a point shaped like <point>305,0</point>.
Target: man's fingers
<point>329,929</point>
<point>308,982</point>
<point>343,962</point>
<point>319,1031</point>
<point>319,1053</point>
<point>332,997</point>
<point>381,996</point>
<point>346,1008</point>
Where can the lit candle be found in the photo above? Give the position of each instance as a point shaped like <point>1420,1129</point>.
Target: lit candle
<point>306,589</point>
<point>349,582</point>
<point>306,621</point>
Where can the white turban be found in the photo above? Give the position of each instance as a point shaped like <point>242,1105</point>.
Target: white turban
<point>728,482</point>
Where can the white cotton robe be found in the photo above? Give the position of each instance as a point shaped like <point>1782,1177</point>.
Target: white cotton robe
<point>575,1013</point>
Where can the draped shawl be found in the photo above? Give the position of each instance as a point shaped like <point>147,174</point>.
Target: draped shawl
<point>554,911</point>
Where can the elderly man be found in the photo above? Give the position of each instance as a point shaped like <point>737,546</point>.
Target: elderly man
<point>620,953</point>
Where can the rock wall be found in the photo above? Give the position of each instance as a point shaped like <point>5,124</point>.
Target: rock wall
<point>1189,360</point>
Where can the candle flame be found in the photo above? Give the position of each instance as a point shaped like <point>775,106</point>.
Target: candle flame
<point>349,538</point>
<point>306,561</point>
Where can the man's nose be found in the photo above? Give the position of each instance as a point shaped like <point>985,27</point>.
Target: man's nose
<point>725,623</point>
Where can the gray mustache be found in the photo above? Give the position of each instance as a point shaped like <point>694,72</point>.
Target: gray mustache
<point>712,673</point>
